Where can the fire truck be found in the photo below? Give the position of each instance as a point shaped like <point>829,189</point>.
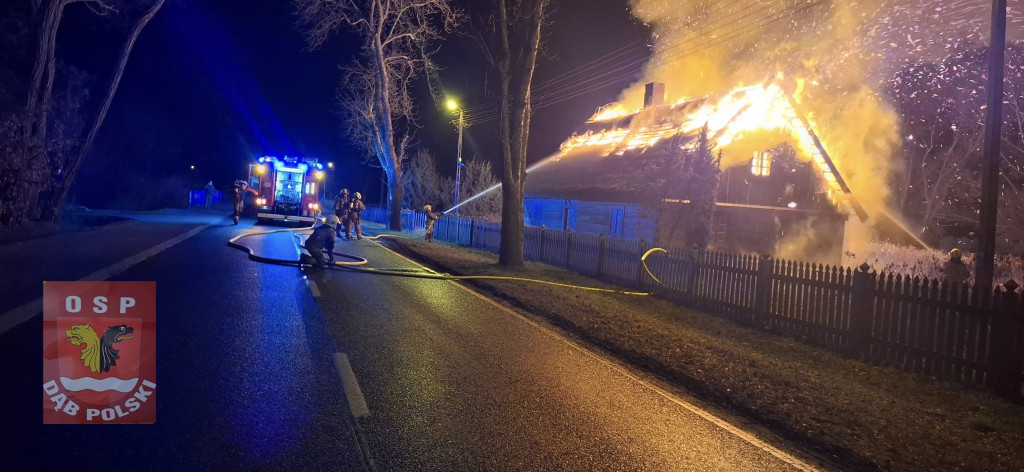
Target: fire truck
<point>288,188</point>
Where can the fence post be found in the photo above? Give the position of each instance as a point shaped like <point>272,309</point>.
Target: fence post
<point>762,297</point>
<point>568,247</point>
<point>1004,365</point>
<point>541,243</point>
<point>691,281</point>
<point>640,266</point>
<point>862,308</point>
<point>472,229</point>
<point>600,257</point>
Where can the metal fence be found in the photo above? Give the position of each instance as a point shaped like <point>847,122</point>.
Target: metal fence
<point>919,325</point>
<point>410,219</point>
<point>197,198</point>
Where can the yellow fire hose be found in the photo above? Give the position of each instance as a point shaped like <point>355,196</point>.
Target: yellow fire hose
<point>354,262</point>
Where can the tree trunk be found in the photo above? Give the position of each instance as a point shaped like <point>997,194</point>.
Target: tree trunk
<point>45,63</point>
<point>61,190</point>
<point>390,162</point>
<point>515,130</point>
<point>394,204</point>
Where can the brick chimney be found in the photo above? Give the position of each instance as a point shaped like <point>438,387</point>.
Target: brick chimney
<point>654,94</point>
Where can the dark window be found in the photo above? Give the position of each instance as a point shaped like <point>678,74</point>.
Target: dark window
<point>617,221</point>
<point>720,233</point>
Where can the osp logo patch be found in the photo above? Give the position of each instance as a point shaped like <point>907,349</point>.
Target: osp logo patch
<point>99,352</point>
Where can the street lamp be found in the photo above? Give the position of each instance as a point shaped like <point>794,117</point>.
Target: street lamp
<point>330,167</point>
<point>458,166</point>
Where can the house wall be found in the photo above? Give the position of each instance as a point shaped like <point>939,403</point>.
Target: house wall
<point>624,220</point>
<point>792,234</point>
<point>797,234</point>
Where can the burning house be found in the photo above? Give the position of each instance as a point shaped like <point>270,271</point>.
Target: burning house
<point>778,193</point>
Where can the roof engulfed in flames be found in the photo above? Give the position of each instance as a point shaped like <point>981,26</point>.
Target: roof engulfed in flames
<point>614,130</point>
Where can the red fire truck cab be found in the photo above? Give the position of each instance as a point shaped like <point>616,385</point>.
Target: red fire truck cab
<point>288,188</point>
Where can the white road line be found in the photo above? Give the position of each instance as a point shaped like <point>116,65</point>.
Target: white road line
<point>745,436</point>
<point>313,288</point>
<point>354,395</point>
<point>25,312</point>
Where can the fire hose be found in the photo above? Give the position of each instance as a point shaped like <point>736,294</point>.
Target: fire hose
<point>353,263</point>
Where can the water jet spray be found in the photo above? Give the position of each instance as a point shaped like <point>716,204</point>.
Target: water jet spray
<point>498,185</point>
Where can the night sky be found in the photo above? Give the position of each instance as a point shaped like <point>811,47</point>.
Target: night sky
<point>215,84</point>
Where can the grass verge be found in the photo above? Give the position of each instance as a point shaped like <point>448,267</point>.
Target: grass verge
<point>858,416</point>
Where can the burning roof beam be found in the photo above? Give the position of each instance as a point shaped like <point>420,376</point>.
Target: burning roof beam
<point>833,175</point>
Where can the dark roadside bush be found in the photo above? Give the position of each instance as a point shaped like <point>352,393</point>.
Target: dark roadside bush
<point>142,193</point>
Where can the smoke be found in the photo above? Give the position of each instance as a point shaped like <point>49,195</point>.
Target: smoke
<point>810,240</point>
<point>834,56</point>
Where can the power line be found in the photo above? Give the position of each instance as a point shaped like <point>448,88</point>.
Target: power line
<point>541,92</point>
<point>733,34</point>
<point>571,73</point>
<point>619,73</point>
<point>589,65</point>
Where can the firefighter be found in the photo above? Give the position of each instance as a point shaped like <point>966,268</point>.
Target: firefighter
<point>341,209</point>
<point>237,195</point>
<point>955,270</point>
<point>431,218</point>
<point>210,190</point>
<point>323,237</point>
<point>355,206</point>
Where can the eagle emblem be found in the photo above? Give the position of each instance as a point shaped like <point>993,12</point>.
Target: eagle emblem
<point>99,353</point>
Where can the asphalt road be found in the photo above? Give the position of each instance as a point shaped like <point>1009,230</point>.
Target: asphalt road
<point>248,377</point>
<point>245,374</point>
<point>456,382</point>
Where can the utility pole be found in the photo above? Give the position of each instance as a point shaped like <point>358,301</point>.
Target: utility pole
<point>985,261</point>
<point>458,165</point>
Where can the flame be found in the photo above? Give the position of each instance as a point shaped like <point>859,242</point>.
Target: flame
<point>744,110</point>
<point>610,112</point>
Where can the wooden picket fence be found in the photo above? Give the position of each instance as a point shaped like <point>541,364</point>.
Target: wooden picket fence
<point>920,325</point>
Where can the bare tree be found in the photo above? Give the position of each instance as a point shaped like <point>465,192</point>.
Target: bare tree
<point>422,184</point>
<point>477,178</point>
<point>65,170</point>
<point>511,41</point>
<point>43,71</point>
<point>375,95</point>
<point>40,164</point>
<point>940,165</point>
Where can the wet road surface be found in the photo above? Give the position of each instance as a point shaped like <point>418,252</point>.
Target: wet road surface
<point>245,375</point>
<point>456,382</point>
<point>247,379</point>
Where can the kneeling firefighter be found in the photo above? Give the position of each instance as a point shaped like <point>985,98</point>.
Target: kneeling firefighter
<point>322,238</point>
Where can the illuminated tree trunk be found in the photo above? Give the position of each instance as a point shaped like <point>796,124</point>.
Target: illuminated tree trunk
<point>516,80</point>
<point>392,163</point>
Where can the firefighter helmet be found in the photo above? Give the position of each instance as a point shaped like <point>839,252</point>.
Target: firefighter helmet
<point>426,208</point>
<point>344,191</point>
<point>332,221</point>
<point>359,196</point>
<point>955,253</point>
